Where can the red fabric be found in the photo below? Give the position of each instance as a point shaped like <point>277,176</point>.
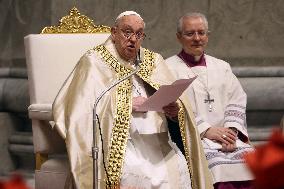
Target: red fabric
<point>16,182</point>
<point>234,185</point>
<point>267,163</point>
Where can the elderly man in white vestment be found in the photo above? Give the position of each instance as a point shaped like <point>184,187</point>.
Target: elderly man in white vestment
<point>138,152</point>
<point>218,102</point>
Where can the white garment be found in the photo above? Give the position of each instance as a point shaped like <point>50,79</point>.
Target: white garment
<point>144,122</point>
<point>152,161</point>
<point>228,110</point>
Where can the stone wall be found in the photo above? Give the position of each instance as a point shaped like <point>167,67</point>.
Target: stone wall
<point>244,32</point>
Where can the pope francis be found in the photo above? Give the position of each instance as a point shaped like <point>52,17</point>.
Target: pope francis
<point>137,148</point>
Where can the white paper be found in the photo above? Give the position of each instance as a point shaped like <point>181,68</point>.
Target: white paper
<point>165,95</point>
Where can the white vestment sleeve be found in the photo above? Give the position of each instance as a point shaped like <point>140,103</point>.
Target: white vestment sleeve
<point>201,124</point>
<point>235,111</point>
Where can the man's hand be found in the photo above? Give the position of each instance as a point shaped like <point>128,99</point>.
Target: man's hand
<point>229,147</point>
<point>222,135</point>
<point>136,102</point>
<point>171,110</point>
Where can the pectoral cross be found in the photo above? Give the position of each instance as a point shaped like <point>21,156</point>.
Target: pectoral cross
<point>209,101</point>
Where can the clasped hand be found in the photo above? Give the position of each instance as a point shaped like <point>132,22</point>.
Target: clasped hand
<point>225,136</point>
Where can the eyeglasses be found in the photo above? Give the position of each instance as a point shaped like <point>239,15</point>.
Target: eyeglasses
<point>129,33</point>
<point>198,33</point>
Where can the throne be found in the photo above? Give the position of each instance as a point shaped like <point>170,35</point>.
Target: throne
<point>51,56</point>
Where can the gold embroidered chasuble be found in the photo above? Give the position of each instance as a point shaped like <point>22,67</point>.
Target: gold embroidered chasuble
<point>72,111</point>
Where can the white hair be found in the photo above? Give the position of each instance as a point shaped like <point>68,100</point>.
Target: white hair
<point>127,13</point>
<point>192,15</point>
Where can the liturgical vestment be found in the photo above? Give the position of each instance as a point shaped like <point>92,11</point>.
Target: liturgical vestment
<point>138,152</point>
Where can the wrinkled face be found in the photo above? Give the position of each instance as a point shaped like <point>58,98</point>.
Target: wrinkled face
<point>194,36</point>
<point>127,36</point>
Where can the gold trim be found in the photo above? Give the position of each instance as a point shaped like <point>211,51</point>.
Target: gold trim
<point>75,23</point>
<point>40,159</point>
<point>147,67</point>
<point>120,131</point>
<point>181,119</point>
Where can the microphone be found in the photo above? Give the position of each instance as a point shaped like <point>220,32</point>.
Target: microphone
<point>95,149</point>
<point>138,59</point>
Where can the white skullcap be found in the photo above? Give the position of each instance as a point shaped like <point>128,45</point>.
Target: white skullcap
<point>127,13</point>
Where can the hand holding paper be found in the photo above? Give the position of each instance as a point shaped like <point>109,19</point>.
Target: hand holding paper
<point>136,102</point>
<point>165,95</point>
<point>171,110</point>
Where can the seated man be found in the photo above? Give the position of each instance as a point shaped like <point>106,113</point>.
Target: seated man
<point>218,101</point>
<point>138,152</point>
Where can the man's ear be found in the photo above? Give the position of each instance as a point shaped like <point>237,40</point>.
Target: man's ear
<point>179,36</point>
<point>208,33</point>
<point>113,31</point>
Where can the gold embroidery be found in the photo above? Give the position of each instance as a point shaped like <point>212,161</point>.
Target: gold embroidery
<point>181,119</point>
<point>112,61</point>
<point>147,67</point>
<point>120,131</point>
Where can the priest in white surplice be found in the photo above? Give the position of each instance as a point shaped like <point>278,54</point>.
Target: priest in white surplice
<point>218,101</point>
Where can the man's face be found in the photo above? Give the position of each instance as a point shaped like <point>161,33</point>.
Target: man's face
<point>128,36</point>
<point>194,36</point>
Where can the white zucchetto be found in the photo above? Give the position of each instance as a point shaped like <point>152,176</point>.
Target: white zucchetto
<point>127,13</point>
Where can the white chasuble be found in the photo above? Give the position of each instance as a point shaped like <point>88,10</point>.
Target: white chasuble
<point>138,152</point>
<point>217,100</point>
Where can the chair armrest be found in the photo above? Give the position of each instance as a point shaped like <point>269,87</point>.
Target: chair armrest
<point>40,159</point>
<point>40,112</point>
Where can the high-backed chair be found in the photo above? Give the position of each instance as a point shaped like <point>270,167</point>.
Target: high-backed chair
<point>51,56</point>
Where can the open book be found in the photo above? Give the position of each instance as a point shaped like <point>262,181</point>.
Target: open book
<point>165,95</point>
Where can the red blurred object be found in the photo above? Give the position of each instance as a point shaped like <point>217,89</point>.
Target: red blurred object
<point>16,182</point>
<point>267,163</point>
